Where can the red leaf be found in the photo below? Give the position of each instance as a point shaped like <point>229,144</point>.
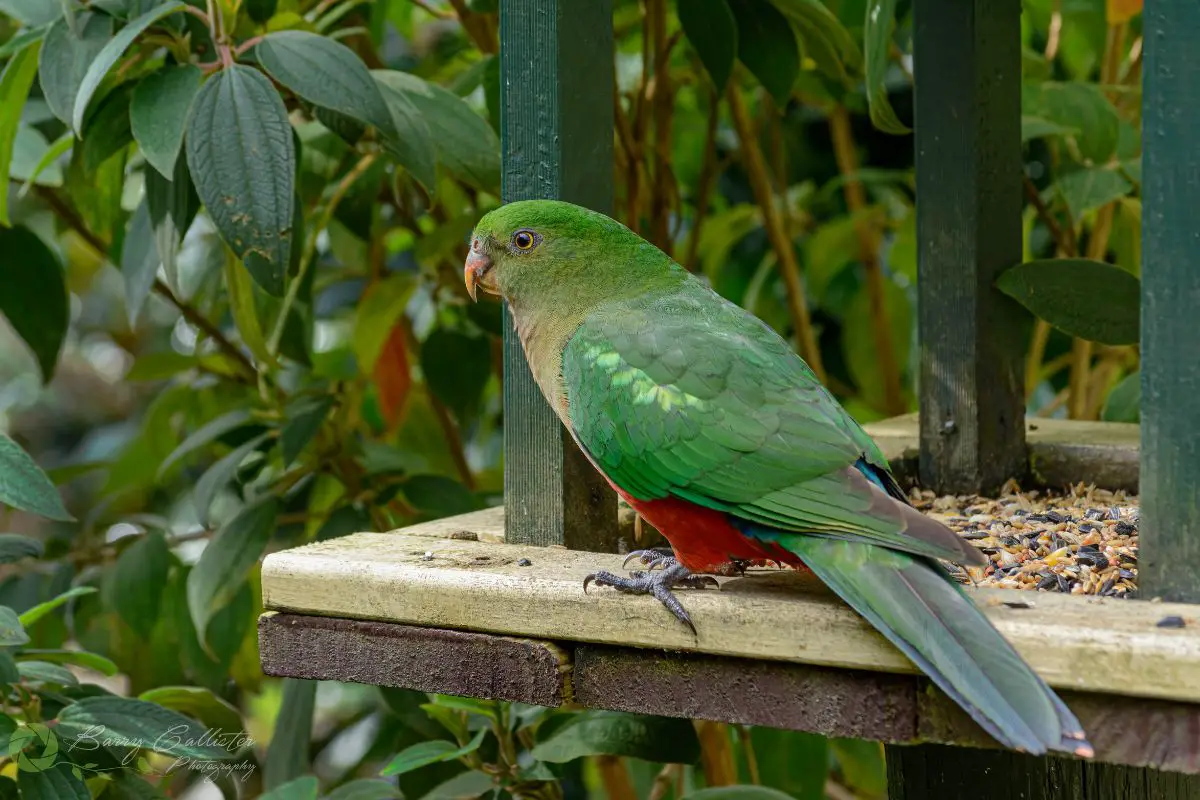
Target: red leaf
<point>393,378</point>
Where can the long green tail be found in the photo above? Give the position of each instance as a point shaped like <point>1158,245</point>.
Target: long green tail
<point>918,607</point>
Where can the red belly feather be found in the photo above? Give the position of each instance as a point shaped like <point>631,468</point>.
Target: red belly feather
<point>703,539</point>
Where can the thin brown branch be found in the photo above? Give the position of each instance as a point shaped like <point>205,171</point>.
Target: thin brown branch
<point>615,777</point>
<point>475,25</point>
<point>1054,34</point>
<point>446,422</point>
<point>868,254</point>
<point>760,183</point>
<point>663,110</point>
<point>748,750</point>
<point>662,782</point>
<point>1064,239</point>
<point>194,318</point>
<point>716,753</point>
<point>706,183</point>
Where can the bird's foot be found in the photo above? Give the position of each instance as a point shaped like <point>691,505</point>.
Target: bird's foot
<point>662,558</point>
<point>659,583</point>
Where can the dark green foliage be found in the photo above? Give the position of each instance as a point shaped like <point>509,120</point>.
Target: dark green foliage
<point>303,366</point>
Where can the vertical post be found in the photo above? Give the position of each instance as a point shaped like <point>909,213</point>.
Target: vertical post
<point>1170,469</point>
<point>967,66</point>
<point>556,83</point>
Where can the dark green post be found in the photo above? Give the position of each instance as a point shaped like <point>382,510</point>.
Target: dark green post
<point>1170,470</point>
<point>967,68</point>
<point>556,82</point>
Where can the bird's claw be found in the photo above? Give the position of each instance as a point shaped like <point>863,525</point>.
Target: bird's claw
<point>658,583</point>
<point>651,558</point>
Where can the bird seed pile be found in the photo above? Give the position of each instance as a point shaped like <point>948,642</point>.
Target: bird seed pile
<point>1084,542</point>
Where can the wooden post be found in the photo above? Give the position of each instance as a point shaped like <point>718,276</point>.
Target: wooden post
<point>556,82</point>
<point>1170,470</point>
<point>967,64</point>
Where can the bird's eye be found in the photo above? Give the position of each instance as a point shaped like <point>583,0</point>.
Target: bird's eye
<point>525,240</point>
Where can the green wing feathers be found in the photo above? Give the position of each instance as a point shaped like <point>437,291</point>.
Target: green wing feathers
<point>927,616</point>
<point>685,395</point>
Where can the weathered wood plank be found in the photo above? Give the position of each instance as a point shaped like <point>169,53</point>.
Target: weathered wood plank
<point>556,88</point>
<point>1098,644</point>
<point>1170,546</point>
<point>1061,452</point>
<point>831,702</point>
<point>967,68</point>
<point>426,659</point>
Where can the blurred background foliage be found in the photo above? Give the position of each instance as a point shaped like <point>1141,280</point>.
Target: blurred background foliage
<point>235,322</point>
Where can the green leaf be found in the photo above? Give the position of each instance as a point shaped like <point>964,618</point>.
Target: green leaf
<point>767,46</point>
<point>456,368</point>
<point>20,41</point>
<point>56,783</point>
<point>438,496</point>
<point>204,435</point>
<point>106,131</point>
<point>862,766</point>
<point>65,58</point>
<point>31,13</point>
<point>377,314</point>
<point>23,485</point>
<point>287,754</point>
<point>141,724</point>
<point>465,144</point>
<point>826,40</point>
<point>79,658</point>
<point>365,789</point>
<point>128,785</point>
<point>1092,187</point>
<point>199,704</point>
<point>8,674</point>
<point>304,788</point>
<point>15,83</point>
<point>877,43</point>
<point>30,617</point>
<point>1124,401</point>
<point>326,73</point>
<point>738,793</point>
<point>790,761</point>
<point>423,754</point>
<point>172,205</point>
<point>1084,298</point>
<point>465,784</point>
<point>33,295</point>
<point>159,112</point>
<point>227,559</point>
<point>139,261</point>
<point>661,739</point>
<point>243,159</point>
<point>12,632</point>
<point>220,474</point>
<point>412,146</point>
<point>1084,107</point>
<point>141,575</point>
<point>712,30</point>
<point>858,340</point>
<point>261,10</point>
<point>1038,128</point>
<point>14,547</point>
<point>45,672</point>
<point>34,160</point>
<point>304,419</point>
<point>109,55</point>
<point>243,307</point>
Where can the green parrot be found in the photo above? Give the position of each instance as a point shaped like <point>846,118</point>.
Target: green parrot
<point>708,424</point>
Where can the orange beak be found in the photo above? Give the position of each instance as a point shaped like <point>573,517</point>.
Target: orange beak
<point>477,269</point>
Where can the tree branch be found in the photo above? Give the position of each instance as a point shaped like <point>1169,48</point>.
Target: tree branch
<point>760,182</point>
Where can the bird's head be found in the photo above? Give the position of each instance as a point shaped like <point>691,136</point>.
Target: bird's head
<point>549,249</point>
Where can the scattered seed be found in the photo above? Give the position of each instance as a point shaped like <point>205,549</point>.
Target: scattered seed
<point>524,562</point>
<point>427,557</point>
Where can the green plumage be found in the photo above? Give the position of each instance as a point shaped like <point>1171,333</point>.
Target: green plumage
<point>680,396</point>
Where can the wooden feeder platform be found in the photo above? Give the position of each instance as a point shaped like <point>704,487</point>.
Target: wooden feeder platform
<point>448,607</point>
